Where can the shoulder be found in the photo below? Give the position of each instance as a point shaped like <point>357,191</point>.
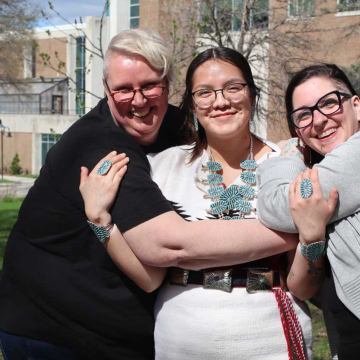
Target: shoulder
<point>174,154</point>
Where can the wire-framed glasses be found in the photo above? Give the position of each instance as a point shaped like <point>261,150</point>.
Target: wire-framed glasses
<point>151,91</point>
<point>205,98</point>
<point>328,104</point>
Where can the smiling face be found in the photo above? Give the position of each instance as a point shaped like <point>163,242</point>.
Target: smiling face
<point>141,117</point>
<point>223,120</point>
<point>326,131</point>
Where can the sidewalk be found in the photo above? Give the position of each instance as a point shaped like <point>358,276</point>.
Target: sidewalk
<point>18,188</point>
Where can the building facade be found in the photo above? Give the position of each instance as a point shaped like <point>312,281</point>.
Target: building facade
<point>62,74</point>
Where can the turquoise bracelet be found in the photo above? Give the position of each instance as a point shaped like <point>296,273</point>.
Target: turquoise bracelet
<point>313,251</point>
<point>102,232</point>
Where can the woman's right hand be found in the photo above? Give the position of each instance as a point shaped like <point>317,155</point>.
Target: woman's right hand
<point>99,191</point>
<point>311,214</point>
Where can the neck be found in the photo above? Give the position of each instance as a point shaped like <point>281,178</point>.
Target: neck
<point>231,152</point>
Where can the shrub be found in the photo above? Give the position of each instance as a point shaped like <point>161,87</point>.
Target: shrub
<point>15,167</point>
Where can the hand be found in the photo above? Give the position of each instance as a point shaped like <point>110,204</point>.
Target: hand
<point>292,147</point>
<point>99,191</point>
<point>312,214</point>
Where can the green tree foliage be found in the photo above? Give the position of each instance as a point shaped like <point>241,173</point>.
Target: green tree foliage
<point>15,168</point>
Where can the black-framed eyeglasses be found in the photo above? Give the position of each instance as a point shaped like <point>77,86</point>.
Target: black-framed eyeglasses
<point>152,91</point>
<point>328,104</point>
<point>205,98</point>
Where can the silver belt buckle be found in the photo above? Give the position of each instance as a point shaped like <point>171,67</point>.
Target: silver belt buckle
<point>218,279</point>
<point>259,280</point>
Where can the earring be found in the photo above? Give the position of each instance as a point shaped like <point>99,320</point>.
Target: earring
<point>252,114</point>
<point>196,123</point>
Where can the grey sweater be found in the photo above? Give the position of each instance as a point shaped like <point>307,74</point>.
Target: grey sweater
<point>340,169</point>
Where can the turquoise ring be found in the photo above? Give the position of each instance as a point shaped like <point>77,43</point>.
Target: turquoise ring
<point>104,167</point>
<point>306,188</point>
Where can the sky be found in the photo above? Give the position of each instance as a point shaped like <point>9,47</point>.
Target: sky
<point>69,9</point>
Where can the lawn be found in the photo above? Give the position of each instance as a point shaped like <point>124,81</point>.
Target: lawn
<point>9,208</point>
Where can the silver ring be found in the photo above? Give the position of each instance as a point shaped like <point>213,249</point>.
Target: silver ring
<point>104,167</point>
<point>306,188</point>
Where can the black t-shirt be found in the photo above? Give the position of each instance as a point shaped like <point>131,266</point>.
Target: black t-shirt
<point>58,283</point>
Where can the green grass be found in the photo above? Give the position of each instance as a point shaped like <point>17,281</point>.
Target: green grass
<point>9,208</point>
<point>4,181</point>
<point>28,176</point>
<point>321,345</point>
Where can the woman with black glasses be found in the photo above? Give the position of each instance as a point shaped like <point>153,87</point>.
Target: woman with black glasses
<point>324,111</point>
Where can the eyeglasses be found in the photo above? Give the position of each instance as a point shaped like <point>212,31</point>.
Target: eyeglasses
<point>205,98</point>
<point>126,95</point>
<point>328,104</point>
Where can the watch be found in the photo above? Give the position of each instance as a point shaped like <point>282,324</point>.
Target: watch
<point>102,232</point>
<point>313,251</point>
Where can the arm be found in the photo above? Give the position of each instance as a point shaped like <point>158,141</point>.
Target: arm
<point>169,240</point>
<point>311,216</point>
<point>337,170</point>
<point>98,193</point>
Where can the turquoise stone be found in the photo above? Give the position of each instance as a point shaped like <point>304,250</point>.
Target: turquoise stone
<point>218,207</point>
<point>248,164</point>
<point>230,196</point>
<point>248,177</point>
<point>243,206</point>
<point>215,191</point>
<point>213,166</point>
<point>214,179</point>
<point>247,191</point>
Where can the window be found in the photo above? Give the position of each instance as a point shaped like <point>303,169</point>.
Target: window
<point>134,14</point>
<point>57,104</point>
<point>80,75</point>
<point>47,142</point>
<point>348,5</point>
<point>301,8</point>
<point>227,15</point>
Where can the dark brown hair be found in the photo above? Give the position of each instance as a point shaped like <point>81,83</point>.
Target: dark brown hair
<point>187,105</point>
<point>328,71</point>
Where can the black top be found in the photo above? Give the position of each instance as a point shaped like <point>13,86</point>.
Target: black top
<point>58,283</point>
<point>347,325</point>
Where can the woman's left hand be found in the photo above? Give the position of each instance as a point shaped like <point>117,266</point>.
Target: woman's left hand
<point>311,214</point>
<point>99,191</point>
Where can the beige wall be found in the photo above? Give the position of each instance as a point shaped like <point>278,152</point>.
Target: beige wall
<point>50,46</point>
<point>22,144</point>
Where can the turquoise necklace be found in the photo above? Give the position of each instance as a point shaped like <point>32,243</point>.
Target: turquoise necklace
<point>234,197</point>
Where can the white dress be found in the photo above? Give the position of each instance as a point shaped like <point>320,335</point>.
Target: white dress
<point>193,323</point>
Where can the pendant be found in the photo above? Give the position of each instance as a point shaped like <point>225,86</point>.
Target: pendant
<point>214,179</point>
<point>248,177</point>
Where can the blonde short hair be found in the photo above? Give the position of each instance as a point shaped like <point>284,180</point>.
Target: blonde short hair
<point>145,43</point>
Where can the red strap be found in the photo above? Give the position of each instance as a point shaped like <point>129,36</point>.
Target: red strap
<point>291,326</point>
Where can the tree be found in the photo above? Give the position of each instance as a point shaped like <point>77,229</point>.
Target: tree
<point>277,37</point>
<point>15,168</point>
<point>16,21</point>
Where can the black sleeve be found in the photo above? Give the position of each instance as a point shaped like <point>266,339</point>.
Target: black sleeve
<point>139,198</point>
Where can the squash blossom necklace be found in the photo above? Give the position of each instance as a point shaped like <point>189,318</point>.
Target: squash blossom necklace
<point>234,197</point>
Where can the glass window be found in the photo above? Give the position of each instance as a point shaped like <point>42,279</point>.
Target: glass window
<point>80,75</point>
<point>134,14</point>
<point>301,8</point>
<point>348,5</point>
<point>47,142</point>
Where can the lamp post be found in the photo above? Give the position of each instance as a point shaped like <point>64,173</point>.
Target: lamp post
<point>2,130</point>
